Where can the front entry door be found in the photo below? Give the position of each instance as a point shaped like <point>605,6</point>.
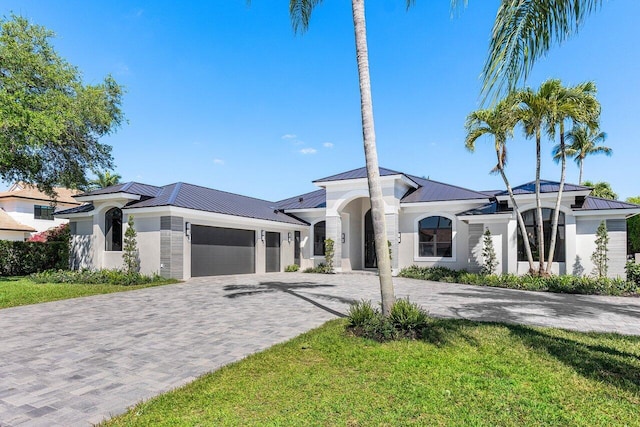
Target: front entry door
<point>370,260</point>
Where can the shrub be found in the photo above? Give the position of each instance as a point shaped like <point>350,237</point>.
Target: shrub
<point>130,249</point>
<point>292,268</point>
<point>321,268</point>
<point>22,258</point>
<point>633,272</point>
<point>362,313</point>
<point>406,320</point>
<point>489,258</point>
<point>329,252</point>
<point>94,277</point>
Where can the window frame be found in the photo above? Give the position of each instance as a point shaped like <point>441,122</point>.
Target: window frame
<point>37,212</point>
<point>108,234</point>
<point>453,219</point>
<point>313,231</point>
<point>532,228</point>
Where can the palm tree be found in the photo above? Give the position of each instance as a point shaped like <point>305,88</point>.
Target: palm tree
<point>583,142</point>
<point>103,180</point>
<point>523,31</point>
<point>499,122</point>
<point>577,103</point>
<point>300,13</point>
<point>601,189</point>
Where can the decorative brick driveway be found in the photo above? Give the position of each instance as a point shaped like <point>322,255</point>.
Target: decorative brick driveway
<point>77,362</point>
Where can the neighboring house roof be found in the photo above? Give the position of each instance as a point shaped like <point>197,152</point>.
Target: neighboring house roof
<point>545,187</point>
<point>23,191</point>
<point>10,224</point>
<point>434,191</point>
<point>592,203</point>
<point>314,199</point>
<point>144,190</point>
<point>357,174</point>
<point>87,207</point>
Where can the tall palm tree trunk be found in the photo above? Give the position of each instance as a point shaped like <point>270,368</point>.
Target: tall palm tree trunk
<point>580,178</point>
<point>371,157</point>
<point>540,228</point>
<point>556,212</point>
<point>523,228</point>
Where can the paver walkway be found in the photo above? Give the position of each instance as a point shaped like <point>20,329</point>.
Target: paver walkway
<point>77,362</point>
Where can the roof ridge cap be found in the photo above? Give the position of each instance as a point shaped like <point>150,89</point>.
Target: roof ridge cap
<point>174,194</point>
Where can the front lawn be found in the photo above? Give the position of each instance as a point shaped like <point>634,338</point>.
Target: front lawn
<point>16,291</point>
<point>464,373</point>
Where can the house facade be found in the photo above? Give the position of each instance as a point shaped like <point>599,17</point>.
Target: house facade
<point>187,231</point>
<point>24,210</point>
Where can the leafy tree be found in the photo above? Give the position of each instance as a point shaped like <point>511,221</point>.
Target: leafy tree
<point>489,259</point>
<point>130,248</point>
<point>499,122</point>
<point>300,12</point>
<point>583,142</point>
<point>599,256</point>
<point>633,229</point>
<point>51,121</point>
<point>601,189</point>
<point>103,180</point>
<point>523,32</point>
<point>329,252</point>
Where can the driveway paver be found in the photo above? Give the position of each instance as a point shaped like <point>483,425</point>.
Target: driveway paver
<point>80,361</point>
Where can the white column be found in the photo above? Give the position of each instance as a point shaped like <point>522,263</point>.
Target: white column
<point>334,232</point>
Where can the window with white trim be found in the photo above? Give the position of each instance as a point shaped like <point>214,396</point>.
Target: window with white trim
<point>435,237</point>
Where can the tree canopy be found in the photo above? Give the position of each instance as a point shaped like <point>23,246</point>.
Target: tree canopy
<point>601,189</point>
<point>50,122</point>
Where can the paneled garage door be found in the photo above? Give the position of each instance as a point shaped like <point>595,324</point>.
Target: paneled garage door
<point>217,251</point>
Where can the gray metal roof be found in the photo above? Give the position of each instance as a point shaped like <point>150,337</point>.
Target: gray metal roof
<point>145,190</point>
<point>592,203</point>
<point>545,187</point>
<point>488,209</point>
<point>357,174</point>
<point>434,191</point>
<point>88,207</point>
<point>314,199</point>
<point>205,199</point>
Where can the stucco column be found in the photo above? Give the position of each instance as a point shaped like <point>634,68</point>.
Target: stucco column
<point>334,232</point>
<point>510,251</point>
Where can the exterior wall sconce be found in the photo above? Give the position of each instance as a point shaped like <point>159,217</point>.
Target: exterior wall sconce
<point>343,238</point>
<point>187,230</point>
<point>399,237</point>
<point>262,235</point>
<point>289,237</point>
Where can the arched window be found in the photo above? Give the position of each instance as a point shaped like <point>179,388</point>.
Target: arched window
<point>530,222</point>
<point>435,237</point>
<point>113,230</point>
<point>319,236</point>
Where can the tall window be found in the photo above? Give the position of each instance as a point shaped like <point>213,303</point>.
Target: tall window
<point>43,212</point>
<point>113,230</point>
<point>436,237</point>
<point>319,236</point>
<point>530,222</point>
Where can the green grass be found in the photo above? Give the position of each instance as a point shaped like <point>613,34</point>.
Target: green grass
<point>465,373</point>
<point>15,291</point>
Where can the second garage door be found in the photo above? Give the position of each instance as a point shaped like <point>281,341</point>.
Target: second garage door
<point>217,251</point>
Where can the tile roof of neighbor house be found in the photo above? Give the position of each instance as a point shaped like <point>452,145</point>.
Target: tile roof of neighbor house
<point>195,197</point>
<point>10,224</point>
<point>314,199</point>
<point>545,187</point>
<point>597,203</point>
<point>24,191</point>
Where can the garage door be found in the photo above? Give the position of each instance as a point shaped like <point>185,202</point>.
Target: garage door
<point>217,251</point>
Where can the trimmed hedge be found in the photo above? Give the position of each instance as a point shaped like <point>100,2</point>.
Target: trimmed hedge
<point>95,277</point>
<point>558,284</point>
<point>22,258</point>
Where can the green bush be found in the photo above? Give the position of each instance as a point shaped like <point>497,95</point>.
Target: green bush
<point>560,284</point>
<point>321,268</point>
<point>94,277</point>
<point>406,320</point>
<point>22,258</point>
<point>292,268</point>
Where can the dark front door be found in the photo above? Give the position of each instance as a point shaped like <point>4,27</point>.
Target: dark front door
<point>273,251</point>
<point>370,260</point>
<point>217,251</point>
<point>296,248</point>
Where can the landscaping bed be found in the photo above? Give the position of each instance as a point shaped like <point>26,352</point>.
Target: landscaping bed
<point>460,373</point>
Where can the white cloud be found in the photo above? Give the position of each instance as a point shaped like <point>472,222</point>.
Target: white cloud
<point>308,151</point>
<point>218,162</point>
<point>288,136</point>
<point>328,145</point>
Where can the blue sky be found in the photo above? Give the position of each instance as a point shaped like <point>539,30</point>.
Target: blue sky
<point>224,95</point>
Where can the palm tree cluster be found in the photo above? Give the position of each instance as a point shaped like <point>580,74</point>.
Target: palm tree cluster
<point>545,111</point>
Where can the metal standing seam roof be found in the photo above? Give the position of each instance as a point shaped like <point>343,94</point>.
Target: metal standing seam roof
<point>314,199</point>
<point>434,191</point>
<point>357,174</point>
<point>145,190</point>
<point>87,207</point>
<point>205,199</point>
<point>487,209</point>
<point>545,187</point>
<point>592,203</point>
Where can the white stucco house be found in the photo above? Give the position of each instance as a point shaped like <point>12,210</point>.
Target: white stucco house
<point>186,230</point>
<point>24,210</point>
